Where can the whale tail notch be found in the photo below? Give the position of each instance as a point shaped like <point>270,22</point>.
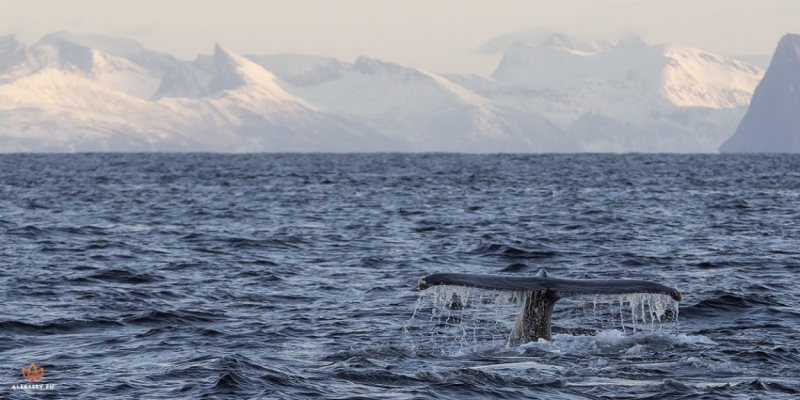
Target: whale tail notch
<point>541,294</point>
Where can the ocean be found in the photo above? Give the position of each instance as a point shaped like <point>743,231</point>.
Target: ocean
<point>293,276</point>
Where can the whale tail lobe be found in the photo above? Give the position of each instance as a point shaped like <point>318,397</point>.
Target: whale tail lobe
<point>541,294</point>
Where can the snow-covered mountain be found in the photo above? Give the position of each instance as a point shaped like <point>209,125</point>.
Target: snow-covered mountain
<point>626,96</point>
<point>67,97</point>
<point>58,95</point>
<point>92,93</point>
<point>242,108</point>
<point>420,108</point>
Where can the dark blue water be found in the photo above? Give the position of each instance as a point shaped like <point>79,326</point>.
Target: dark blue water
<point>292,276</point>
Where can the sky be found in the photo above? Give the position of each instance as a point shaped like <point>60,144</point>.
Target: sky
<point>462,36</point>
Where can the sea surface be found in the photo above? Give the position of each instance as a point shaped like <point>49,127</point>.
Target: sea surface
<point>291,276</point>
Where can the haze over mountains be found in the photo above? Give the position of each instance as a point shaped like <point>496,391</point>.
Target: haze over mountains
<point>70,93</point>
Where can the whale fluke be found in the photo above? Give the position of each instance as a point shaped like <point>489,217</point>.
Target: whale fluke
<point>542,293</point>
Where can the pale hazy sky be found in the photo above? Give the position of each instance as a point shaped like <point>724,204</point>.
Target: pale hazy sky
<point>438,35</point>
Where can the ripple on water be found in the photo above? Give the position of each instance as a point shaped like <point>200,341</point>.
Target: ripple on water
<point>292,275</point>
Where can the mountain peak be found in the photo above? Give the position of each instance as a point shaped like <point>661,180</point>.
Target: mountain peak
<point>233,71</point>
<point>772,122</point>
<point>789,46</point>
<point>227,75</point>
<point>224,70</point>
<point>60,54</point>
<point>790,38</point>
<point>133,51</point>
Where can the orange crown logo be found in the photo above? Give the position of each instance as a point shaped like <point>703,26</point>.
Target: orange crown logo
<point>32,374</point>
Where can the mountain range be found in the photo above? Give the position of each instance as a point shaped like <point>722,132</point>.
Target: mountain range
<point>75,93</point>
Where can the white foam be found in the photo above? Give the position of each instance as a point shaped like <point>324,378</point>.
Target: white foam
<point>614,341</point>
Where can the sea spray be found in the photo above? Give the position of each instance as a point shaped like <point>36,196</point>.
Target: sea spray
<point>458,319</point>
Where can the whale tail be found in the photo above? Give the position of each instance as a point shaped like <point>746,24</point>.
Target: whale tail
<point>542,293</point>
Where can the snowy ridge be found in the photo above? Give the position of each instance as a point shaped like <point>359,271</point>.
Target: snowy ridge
<point>93,93</point>
<point>694,78</point>
<point>301,70</point>
<point>427,111</point>
<point>677,75</point>
<point>627,96</point>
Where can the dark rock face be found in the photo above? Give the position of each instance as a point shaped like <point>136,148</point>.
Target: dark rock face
<point>772,123</point>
